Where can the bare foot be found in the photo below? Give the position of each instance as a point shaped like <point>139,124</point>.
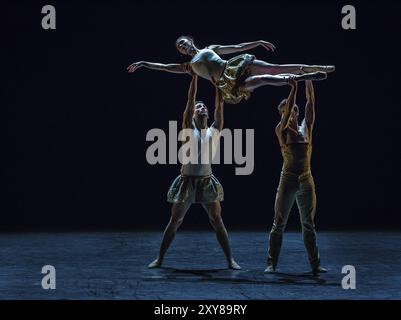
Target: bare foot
<point>318,269</point>
<point>155,264</point>
<point>233,265</point>
<point>270,269</point>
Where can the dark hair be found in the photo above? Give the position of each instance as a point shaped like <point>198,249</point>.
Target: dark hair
<point>184,37</point>
<point>199,101</point>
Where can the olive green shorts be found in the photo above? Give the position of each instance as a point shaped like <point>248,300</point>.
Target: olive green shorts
<point>195,189</point>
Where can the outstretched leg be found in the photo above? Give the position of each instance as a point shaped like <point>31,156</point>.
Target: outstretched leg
<point>213,210</point>
<point>259,67</point>
<point>253,82</point>
<point>178,211</point>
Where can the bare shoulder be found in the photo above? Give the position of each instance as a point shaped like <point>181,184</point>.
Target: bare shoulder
<point>188,124</point>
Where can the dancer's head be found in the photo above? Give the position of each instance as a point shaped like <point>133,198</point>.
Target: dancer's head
<point>185,45</point>
<point>201,115</point>
<point>294,112</point>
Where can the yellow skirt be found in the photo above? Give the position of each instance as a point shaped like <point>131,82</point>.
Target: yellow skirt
<point>234,74</point>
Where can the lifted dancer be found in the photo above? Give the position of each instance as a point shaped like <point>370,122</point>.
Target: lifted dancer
<point>238,76</point>
<point>296,182</point>
<point>196,183</point>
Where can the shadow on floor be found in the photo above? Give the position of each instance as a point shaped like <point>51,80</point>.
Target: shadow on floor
<point>255,277</point>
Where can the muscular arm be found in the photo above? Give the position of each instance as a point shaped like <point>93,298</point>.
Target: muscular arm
<point>171,67</point>
<point>285,116</point>
<point>190,108</point>
<point>218,111</point>
<point>310,104</point>
<point>228,49</point>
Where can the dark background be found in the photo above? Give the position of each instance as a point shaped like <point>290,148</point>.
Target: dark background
<point>74,121</point>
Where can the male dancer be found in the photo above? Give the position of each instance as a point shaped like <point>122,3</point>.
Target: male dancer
<point>196,183</point>
<point>296,182</point>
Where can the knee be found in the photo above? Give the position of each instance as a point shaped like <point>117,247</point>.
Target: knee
<point>308,227</point>
<point>175,221</point>
<point>279,223</point>
<point>278,228</point>
<point>215,219</point>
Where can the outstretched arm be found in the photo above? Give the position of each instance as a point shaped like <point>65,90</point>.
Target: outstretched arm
<point>219,110</point>
<point>190,108</point>
<point>287,109</point>
<point>220,49</point>
<point>310,104</point>
<point>171,67</point>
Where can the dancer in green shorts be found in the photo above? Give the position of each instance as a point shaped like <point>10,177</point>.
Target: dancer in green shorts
<point>196,183</point>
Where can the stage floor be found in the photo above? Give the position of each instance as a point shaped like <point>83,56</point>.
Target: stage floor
<point>112,265</point>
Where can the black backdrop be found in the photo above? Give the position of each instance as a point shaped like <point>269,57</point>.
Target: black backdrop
<point>74,122</point>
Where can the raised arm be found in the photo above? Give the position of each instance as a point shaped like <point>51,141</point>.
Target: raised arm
<point>228,49</point>
<point>190,108</point>
<point>310,104</point>
<point>171,67</point>
<point>287,109</point>
<point>218,110</point>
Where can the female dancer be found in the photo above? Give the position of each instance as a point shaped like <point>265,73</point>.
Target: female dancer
<point>239,76</point>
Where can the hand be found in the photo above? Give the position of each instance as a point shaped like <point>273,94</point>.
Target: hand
<point>267,45</point>
<point>134,66</point>
<point>292,82</point>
